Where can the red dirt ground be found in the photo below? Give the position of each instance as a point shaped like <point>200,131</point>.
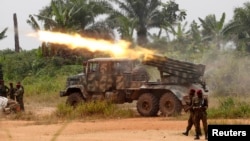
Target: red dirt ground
<point>131,129</point>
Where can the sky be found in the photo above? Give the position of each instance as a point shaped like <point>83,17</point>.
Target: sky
<point>23,8</point>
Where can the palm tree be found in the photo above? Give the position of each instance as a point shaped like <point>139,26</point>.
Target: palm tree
<point>239,27</point>
<point>179,33</point>
<point>195,32</point>
<point>143,15</point>
<point>124,25</point>
<point>2,34</point>
<point>211,28</point>
<point>78,16</point>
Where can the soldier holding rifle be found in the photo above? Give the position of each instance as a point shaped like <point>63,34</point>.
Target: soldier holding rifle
<point>200,105</point>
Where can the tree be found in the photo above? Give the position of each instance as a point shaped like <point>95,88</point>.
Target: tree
<point>239,28</point>
<point>143,15</point>
<point>211,28</point>
<point>123,24</point>
<point>17,46</point>
<point>72,16</point>
<point>195,32</point>
<point>2,34</point>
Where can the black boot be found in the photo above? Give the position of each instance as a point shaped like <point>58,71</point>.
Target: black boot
<point>185,133</point>
<point>205,136</point>
<point>197,137</point>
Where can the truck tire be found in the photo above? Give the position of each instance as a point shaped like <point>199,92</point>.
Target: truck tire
<point>74,99</point>
<point>170,104</point>
<point>148,105</point>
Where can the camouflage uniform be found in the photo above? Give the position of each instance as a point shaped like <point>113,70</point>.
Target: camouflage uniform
<point>191,113</point>
<point>19,95</point>
<point>12,92</point>
<point>200,104</point>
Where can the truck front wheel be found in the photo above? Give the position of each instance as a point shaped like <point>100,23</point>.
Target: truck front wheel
<point>74,99</point>
<point>147,105</point>
<point>170,104</point>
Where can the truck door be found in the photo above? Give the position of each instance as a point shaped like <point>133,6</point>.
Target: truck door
<point>92,76</point>
<point>99,76</point>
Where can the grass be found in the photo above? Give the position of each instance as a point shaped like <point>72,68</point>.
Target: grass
<point>94,109</point>
<point>219,108</point>
<point>230,107</point>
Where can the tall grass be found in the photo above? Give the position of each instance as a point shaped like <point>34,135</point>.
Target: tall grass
<point>93,109</point>
<point>230,107</point>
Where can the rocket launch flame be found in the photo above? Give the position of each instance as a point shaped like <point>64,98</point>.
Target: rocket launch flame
<point>117,49</point>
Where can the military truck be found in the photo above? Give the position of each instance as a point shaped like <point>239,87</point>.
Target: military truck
<point>127,80</point>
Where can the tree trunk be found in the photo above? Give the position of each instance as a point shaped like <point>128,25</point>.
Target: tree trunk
<point>142,36</point>
<point>17,47</point>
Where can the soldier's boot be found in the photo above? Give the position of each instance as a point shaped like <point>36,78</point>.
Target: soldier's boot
<point>206,136</point>
<point>197,137</point>
<point>185,133</point>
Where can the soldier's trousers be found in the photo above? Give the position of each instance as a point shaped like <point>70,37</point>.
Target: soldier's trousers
<point>191,122</point>
<point>19,99</point>
<point>200,115</point>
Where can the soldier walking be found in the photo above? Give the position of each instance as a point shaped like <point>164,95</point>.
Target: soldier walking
<point>191,113</point>
<point>200,105</point>
<point>19,95</point>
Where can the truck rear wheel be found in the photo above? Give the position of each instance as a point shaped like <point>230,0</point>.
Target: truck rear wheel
<point>170,104</point>
<point>74,99</point>
<point>147,105</point>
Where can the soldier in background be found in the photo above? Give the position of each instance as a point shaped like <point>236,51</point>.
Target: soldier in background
<point>200,105</point>
<point>4,90</point>
<point>19,95</point>
<point>191,112</point>
<point>12,92</point>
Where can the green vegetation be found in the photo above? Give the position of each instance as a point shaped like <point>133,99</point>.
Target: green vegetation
<point>45,77</point>
<point>230,107</point>
<point>95,109</point>
<point>223,47</point>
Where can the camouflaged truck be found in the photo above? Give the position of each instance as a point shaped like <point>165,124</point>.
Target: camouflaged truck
<point>127,80</point>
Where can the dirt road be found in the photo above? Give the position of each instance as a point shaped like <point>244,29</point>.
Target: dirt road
<point>133,129</point>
